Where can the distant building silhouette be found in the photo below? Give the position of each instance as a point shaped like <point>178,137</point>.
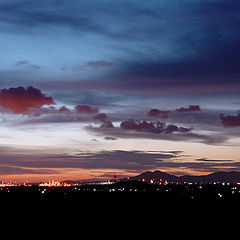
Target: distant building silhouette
<point>115,177</point>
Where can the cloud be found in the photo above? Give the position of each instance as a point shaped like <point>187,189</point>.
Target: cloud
<point>230,121</point>
<point>14,170</point>
<point>156,130</point>
<point>179,136</point>
<point>20,63</point>
<point>64,110</point>
<point>152,127</point>
<point>191,108</point>
<point>212,160</point>
<point>103,118</point>
<point>194,56</point>
<point>110,138</point>
<point>34,66</point>
<point>165,114</point>
<point>191,115</point>
<point>94,140</point>
<point>30,161</point>
<point>158,113</point>
<point>24,15</point>
<point>98,64</point>
<point>116,159</point>
<point>107,124</point>
<point>85,109</point>
<point>20,100</point>
<point>27,64</point>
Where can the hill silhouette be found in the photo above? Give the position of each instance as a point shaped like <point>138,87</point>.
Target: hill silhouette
<point>230,177</point>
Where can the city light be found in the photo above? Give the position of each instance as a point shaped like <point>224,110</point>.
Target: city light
<point>2,184</point>
<point>54,183</point>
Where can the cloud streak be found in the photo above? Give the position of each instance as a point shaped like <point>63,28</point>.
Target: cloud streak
<point>195,137</point>
<point>136,161</point>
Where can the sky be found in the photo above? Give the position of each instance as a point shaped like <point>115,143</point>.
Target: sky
<point>89,88</point>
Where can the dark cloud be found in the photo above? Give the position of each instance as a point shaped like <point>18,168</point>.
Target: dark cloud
<point>20,100</point>
<point>213,139</point>
<point>27,64</point>
<point>34,66</point>
<point>230,121</point>
<point>24,14</point>
<point>193,115</point>
<point>94,140</point>
<point>107,124</point>
<point>101,117</point>
<point>201,166</point>
<point>64,110</point>
<point>20,63</point>
<point>158,113</point>
<point>215,73</point>
<point>85,109</point>
<point>165,114</point>
<point>33,162</point>
<point>110,138</point>
<point>117,159</point>
<point>191,108</point>
<point>14,170</point>
<point>153,127</point>
<point>203,39</point>
<point>212,160</point>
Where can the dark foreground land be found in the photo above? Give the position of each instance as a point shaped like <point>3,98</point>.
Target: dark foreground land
<point>35,212</point>
<point>125,192</point>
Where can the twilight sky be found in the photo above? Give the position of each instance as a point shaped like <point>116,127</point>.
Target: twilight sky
<point>88,88</point>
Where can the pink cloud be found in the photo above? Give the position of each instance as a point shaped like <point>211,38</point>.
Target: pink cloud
<point>102,117</point>
<point>230,121</point>
<point>158,113</point>
<point>85,109</point>
<point>64,109</point>
<point>20,100</point>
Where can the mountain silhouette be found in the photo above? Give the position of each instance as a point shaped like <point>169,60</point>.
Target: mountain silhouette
<point>156,176</point>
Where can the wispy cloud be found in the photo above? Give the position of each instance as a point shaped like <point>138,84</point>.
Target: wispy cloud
<point>34,162</point>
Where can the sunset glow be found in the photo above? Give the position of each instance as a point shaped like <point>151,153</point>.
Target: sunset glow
<point>90,88</point>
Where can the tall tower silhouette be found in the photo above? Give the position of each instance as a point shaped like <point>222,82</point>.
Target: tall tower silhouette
<point>115,177</point>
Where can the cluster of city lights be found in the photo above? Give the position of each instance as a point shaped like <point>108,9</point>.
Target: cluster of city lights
<point>2,184</point>
<point>54,183</point>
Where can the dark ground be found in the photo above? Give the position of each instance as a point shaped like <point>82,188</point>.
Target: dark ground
<point>51,213</point>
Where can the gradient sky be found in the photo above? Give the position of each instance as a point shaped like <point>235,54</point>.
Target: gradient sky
<point>88,88</point>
